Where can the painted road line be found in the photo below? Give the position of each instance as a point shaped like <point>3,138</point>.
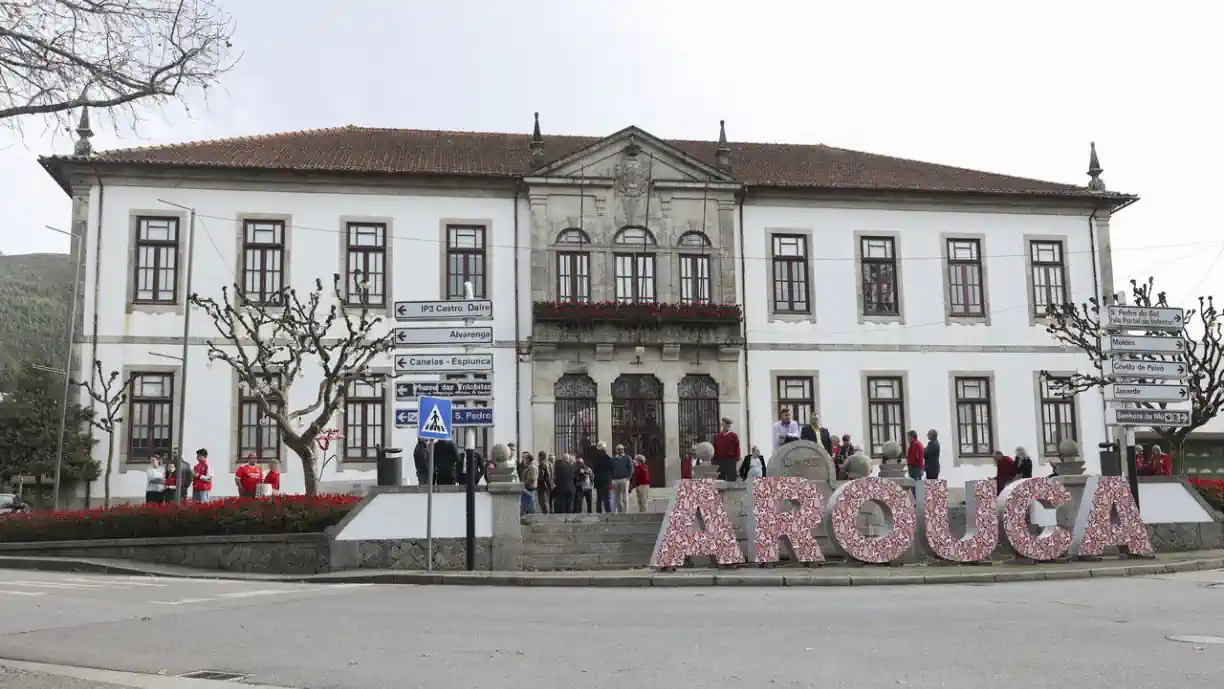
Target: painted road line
<point>22,593</point>
<point>110,584</point>
<point>51,585</point>
<point>185,601</point>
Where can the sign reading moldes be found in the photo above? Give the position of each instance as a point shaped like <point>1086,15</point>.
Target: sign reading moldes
<point>449,362</point>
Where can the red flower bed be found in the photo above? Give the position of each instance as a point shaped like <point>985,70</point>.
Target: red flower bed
<point>1212,491</point>
<point>576,314</point>
<point>282,514</point>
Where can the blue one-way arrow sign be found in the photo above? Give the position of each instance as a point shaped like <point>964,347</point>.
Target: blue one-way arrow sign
<point>460,416</point>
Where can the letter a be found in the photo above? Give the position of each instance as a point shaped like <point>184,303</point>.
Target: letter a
<point>1095,529</point>
<point>697,503</point>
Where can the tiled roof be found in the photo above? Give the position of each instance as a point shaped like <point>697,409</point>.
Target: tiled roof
<point>481,154</point>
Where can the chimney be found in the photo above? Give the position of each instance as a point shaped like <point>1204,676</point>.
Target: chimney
<point>1095,183</point>
<point>722,156</point>
<point>537,145</point>
<point>83,148</point>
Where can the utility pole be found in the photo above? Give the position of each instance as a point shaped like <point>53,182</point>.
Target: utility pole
<point>182,386</point>
<point>63,424</point>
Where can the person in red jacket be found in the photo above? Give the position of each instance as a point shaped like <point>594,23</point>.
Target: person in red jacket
<point>726,451</point>
<point>201,484</point>
<point>272,478</point>
<point>1005,470</point>
<point>248,477</point>
<point>641,483</point>
<point>915,457</point>
<point>1161,464</point>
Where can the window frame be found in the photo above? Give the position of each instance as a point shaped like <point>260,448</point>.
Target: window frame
<point>459,433</point>
<point>573,269</point>
<point>636,280</point>
<point>867,264</point>
<point>479,278</point>
<point>367,452</point>
<point>810,403</point>
<point>979,451</point>
<point>804,261</point>
<point>175,246</point>
<point>870,404</point>
<point>367,253</point>
<point>693,282</point>
<point>264,296</point>
<point>952,262</point>
<point>1036,310</point>
<point>1046,396</point>
<point>170,382</point>
<point>245,400</point>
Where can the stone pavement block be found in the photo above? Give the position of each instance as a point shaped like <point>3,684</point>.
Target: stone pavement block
<point>1108,572</point>
<point>746,580</point>
<point>808,580</point>
<point>1033,574</point>
<point>623,581</point>
<point>960,578</point>
<point>674,580</point>
<point>1057,574</point>
<point>899,580</point>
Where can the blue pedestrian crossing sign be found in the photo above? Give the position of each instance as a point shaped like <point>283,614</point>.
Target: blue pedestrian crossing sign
<point>434,416</point>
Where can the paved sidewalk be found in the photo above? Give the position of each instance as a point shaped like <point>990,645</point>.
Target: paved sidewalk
<point>828,575</point>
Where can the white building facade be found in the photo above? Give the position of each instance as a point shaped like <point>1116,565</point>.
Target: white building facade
<point>880,295</point>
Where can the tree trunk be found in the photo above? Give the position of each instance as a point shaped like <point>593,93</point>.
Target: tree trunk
<point>305,452</point>
<point>1176,443</point>
<point>88,493</point>
<point>110,460</point>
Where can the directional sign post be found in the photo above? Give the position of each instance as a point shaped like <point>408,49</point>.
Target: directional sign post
<point>447,336</point>
<point>1138,368</point>
<point>472,309</point>
<point>471,417</point>
<point>1141,344</point>
<point>454,390</point>
<point>448,362</point>
<point>1144,318</point>
<point>1124,392</point>
<point>1147,417</point>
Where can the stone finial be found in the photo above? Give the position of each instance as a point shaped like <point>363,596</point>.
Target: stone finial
<point>722,156</point>
<point>1068,449</point>
<point>703,451</point>
<point>1095,183</point>
<point>858,466</point>
<point>537,144</point>
<point>83,146</point>
<point>891,451</point>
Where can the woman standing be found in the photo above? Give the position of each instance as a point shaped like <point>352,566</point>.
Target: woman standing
<point>1024,464</point>
<point>752,469</point>
<point>170,489</point>
<point>272,479</point>
<point>155,484</point>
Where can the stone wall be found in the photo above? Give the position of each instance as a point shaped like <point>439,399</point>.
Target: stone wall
<point>449,554</point>
<point>277,554</point>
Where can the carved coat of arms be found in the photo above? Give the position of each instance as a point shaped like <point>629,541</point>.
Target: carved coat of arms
<point>633,177</point>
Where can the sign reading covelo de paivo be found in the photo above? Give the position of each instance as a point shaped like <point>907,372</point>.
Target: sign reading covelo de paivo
<point>697,523</point>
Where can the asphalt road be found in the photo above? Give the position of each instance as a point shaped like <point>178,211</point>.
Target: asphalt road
<point>1107,633</point>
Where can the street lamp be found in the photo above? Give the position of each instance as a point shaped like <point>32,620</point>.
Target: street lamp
<point>182,387</point>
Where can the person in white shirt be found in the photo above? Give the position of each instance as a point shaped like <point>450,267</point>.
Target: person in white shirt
<point>155,487</point>
<point>785,430</point>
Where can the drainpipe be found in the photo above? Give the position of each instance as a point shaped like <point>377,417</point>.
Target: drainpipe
<point>97,286</point>
<point>744,326</point>
<point>518,382</point>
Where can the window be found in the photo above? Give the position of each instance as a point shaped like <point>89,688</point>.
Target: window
<point>797,393</point>
<point>635,235</point>
<point>791,293</point>
<point>573,236</point>
<point>365,408</point>
<point>635,278</point>
<point>151,408</point>
<point>885,412</point>
<point>574,276</point>
<point>465,260</point>
<point>157,245</point>
<point>879,268</point>
<point>257,432</point>
<point>459,433</point>
<point>965,278</point>
<point>366,263</point>
<point>1049,275</point>
<point>1057,414</point>
<point>263,260</point>
<point>694,240</point>
<point>694,279</point>
<point>973,417</point>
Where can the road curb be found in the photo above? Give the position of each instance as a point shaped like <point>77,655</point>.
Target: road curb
<point>998,574</point>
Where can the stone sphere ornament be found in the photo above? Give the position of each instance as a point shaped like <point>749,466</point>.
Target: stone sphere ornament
<point>858,466</point>
<point>1068,449</point>
<point>891,451</point>
<point>703,452</point>
<point>500,454</point>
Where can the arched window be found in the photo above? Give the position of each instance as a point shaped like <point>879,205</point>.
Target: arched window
<point>635,267</point>
<point>573,236</point>
<point>698,409</point>
<point>637,421</point>
<point>575,414</point>
<point>694,240</point>
<point>635,235</point>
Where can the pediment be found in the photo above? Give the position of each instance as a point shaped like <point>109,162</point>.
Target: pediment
<point>631,148</point>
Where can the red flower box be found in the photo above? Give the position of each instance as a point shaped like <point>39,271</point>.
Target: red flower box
<point>588,314</point>
<point>282,514</point>
<point>1212,491</point>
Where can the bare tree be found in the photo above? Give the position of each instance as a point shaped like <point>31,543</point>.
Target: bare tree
<point>271,342</point>
<point>109,395</point>
<point>57,55</point>
<point>1080,327</point>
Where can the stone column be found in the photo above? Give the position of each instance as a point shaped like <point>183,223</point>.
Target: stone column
<point>505,492</point>
<point>672,451</point>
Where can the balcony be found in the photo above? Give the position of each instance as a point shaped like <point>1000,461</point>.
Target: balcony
<point>612,323</point>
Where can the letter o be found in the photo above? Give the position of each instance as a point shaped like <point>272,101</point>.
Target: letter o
<point>841,514</point>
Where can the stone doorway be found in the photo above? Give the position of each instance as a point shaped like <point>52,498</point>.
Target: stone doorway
<point>637,421</point>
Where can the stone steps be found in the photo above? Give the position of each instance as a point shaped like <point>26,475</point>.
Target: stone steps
<point>582,561</point>
<point>641,548</point>
<point>555,542</point>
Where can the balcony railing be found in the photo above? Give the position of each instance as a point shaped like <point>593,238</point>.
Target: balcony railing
<point>580,315</point>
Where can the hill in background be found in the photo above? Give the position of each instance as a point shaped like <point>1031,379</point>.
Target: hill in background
<point>35,295</point>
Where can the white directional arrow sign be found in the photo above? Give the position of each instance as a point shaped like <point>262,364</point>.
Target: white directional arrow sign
<point>1143,318</point>
<point>1144,344</point>
<point>1137,368</point>
<point>474,309</point>
<point>1147,417</point>
<point>450,362</point>
<point>444,336</point>
<point>1146,393</point>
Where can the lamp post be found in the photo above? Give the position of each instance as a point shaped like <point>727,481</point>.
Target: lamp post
<point>72,315</point>
<point>182,387</point>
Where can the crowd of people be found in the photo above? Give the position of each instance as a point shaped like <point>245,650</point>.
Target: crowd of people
<point>177,480</point>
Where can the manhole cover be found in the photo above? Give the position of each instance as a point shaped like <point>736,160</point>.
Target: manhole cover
<point>1195,639</point>
<point>214,675</point>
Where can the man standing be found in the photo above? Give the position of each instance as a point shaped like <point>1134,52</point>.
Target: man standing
<point>816,433</point>
<point>726,451</point>
<point>201,486</point>
<point>446,462</point>
<point>248,477</point>
<point>420,458</point>
<point>915,457</point>
<point>785,429</point>
<point>931,455</point>
<point>622,471</point>
<point>601,466</point>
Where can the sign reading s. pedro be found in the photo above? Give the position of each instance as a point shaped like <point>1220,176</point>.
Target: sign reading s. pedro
<point>1107,516</point>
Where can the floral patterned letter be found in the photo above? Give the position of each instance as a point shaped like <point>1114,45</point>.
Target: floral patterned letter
<point>697,502</point>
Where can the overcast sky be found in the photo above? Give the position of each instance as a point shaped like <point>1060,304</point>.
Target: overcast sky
<point>1019,91</point>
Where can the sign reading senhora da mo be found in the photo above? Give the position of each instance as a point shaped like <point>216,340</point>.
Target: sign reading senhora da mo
<point>1107,516</point>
